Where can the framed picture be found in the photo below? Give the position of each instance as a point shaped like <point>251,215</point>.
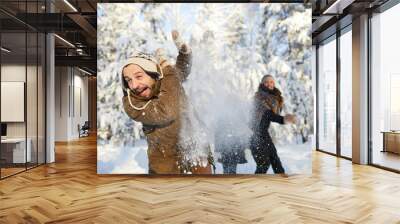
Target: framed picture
<point>204,88</point>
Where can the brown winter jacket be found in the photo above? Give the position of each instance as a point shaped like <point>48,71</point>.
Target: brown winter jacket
<point>162,116</point>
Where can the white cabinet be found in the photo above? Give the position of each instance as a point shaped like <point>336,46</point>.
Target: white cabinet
<point>18,149</point>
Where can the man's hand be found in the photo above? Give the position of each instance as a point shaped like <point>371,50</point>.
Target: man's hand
<point>182,47</point>
<point>175,35</point>
<point>290,118</point>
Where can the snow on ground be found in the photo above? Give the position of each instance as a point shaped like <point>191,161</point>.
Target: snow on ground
<point>296,159</point>
<point>123,159</point>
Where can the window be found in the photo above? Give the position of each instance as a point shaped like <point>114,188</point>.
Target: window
<point>22,66</point>
<point>346,93</point>
<point>327,96</point>
<point>385,89</point>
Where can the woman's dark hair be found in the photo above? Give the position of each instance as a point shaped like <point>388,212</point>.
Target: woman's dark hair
<point>264,78</point>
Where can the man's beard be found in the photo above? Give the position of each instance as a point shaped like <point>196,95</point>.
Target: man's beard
<point>138,91</point>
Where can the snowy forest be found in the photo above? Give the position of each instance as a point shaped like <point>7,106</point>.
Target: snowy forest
<point>234,46</point>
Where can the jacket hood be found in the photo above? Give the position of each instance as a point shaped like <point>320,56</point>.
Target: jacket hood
<point>148,64</point>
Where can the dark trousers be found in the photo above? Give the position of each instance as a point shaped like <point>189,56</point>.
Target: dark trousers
<point>265,154</point>
<point>229,162</point>
<point>229,168</point>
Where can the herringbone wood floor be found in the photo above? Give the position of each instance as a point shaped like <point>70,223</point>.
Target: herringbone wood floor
<point>70,191</point>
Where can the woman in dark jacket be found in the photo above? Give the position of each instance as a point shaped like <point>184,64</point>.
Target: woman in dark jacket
<point>268,103</point>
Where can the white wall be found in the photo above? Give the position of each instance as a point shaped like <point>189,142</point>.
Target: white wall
<point>14,73</point>
<point>61,103</point>
<point>33,126</point>
<point>70,83</point>
<point>80,83</point>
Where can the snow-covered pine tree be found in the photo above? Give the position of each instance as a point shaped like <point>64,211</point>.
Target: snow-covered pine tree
<point>120,37</point>
<point>286,51</point>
